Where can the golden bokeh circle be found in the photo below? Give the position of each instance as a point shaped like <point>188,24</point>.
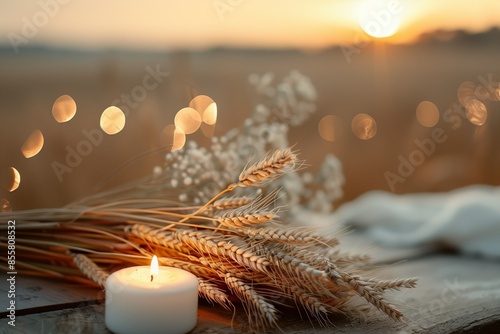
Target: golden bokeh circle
<point>10,179</point>
<point>206,107</point>
<point>33,144</point>
<point>173,137</point>
<point>64,108</point>
<point>476,112</point>
<point>364,126</point>
<point>112,120</point>
<point>188,120</point>
<point>327,128</point>
<point>209,116</point>
<point>16,179</point>
<point>466,92</point>
<point>427,114</point>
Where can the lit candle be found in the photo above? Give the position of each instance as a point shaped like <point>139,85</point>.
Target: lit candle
<point>151,299</point>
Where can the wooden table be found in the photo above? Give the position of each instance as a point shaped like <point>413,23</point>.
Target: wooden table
<point>455,294</point>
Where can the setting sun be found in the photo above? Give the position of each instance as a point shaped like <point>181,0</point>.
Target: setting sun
<point>380,18</point>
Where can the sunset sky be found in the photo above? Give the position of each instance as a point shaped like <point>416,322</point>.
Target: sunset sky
<point>156,24</point>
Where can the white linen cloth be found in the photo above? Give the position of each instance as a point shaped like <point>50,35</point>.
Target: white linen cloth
<point>467,219</point>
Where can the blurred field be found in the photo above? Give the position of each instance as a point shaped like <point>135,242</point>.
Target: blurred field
<point>386,82</point>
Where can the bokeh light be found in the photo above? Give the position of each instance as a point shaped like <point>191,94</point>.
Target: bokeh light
<point>427,114</point>
<point>179,140</point>
<point>489,87</point>
<point>476,112</point>
<point>16,179</point>
<point>210,114</point>
<point>173,137</point>
<point>64,108</point>
<point>188,120</point>
<point>206,107</point>
<point>112,120</point>
<point>33,145</point>
<point>364,126</point>
<point>5,205</point>
<point>10,179</point>
<point>328,128</point>
<point>466,92</point>
<point>483,93</point>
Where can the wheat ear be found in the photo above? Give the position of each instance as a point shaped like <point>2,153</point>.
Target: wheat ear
<point>232,247</point>
<point>261,314</point>
<point>156,236</point>
<point>269,168</point>
<point>232,202</point>
<point>90,269</point>
<point>396,284</point>
<point>368,294</point>
<point>266,170</point>
<point>233,219</point>
<point>212,293</point>
<point>282,234</point>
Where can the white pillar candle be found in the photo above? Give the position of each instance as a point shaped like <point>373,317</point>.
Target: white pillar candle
<point>139,300</point>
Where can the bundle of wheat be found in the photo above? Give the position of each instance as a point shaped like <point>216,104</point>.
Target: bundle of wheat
<point>225,226</point>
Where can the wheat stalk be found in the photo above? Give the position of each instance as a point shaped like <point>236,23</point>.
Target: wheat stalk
<point>232,202</point>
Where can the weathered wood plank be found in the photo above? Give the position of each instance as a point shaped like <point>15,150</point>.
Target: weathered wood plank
<point>454,294</point>
<point>42,294</point>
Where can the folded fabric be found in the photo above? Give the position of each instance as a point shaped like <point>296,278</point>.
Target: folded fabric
<point>467,219</point>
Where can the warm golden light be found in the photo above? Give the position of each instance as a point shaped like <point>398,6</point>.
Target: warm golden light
<point>112,120</point>
<point>476,112</point>
<point>179,139</point>
<point>154,268</point>
<point>16,179</point>
<point>364,126</point>
<point>206,107</point>
<point>173,137</point>
<point>210,114</point>
<point>64,108</point>
<point>427,114</point>
<point>188,120</point>
<point>10,179</point>
<point>326,128</point>
<point>33,145</point>
<point>466,92</point>
<point>380,18</point>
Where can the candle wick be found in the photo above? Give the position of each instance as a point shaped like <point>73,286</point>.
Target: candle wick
<point>151,278</point>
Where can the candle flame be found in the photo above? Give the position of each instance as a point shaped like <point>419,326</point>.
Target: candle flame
<point>154,266</point>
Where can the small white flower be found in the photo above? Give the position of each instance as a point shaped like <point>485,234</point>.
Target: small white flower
<point>188,181</point>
